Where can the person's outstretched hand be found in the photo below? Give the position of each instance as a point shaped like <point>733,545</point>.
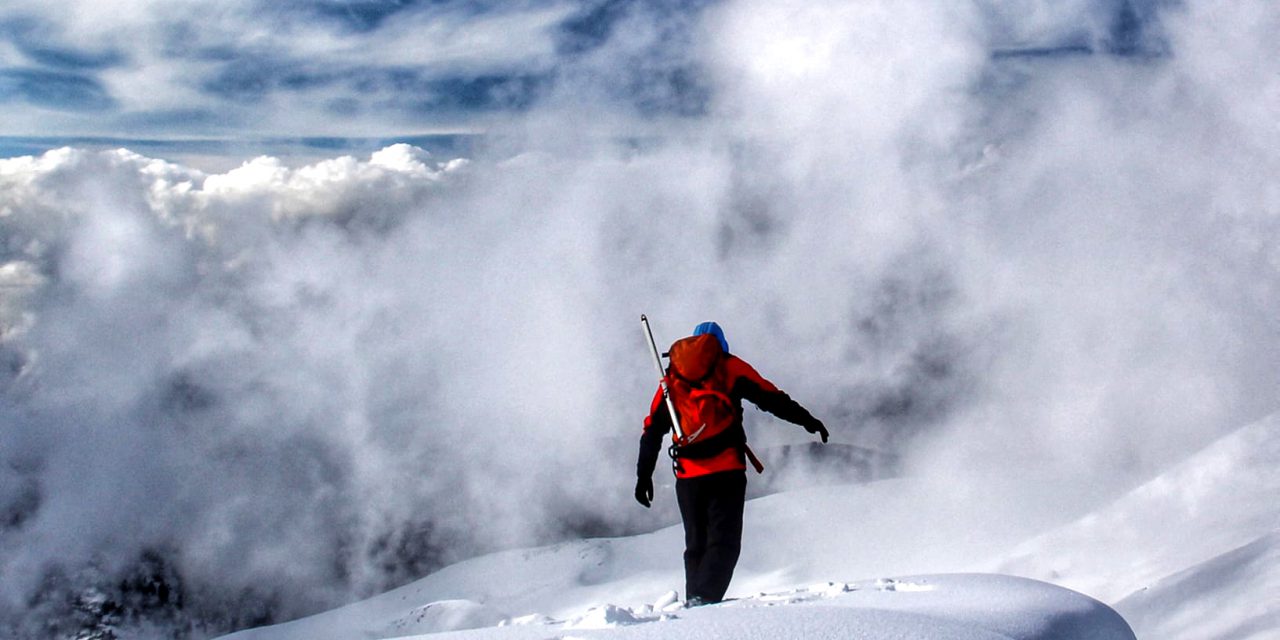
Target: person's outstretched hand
<point>817,427</point>
<point>644,491</point>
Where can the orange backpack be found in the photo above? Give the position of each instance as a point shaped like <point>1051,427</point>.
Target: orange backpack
<point>696,381</point>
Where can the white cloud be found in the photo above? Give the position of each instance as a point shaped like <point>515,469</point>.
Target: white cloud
<point>1061,268</point>
<point>520,38</point>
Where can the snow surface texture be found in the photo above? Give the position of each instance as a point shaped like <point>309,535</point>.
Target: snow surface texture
<point>946,607</point>
<point>1197,547</point>
<point>1191,554</point>
<point>570,589</point>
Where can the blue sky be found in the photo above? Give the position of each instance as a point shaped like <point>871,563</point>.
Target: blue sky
<point>335,69</point>
<point>320,71</point>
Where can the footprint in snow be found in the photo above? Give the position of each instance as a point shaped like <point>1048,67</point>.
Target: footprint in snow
<point>826,590</point>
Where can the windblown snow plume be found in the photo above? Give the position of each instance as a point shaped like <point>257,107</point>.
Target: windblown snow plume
<point>998,239</point>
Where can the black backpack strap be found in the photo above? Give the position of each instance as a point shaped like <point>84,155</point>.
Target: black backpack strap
<point>731,438</point>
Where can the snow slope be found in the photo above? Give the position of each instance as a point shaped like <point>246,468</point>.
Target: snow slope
<point>952,607</point>
<point>794,539</point>
<point>1191,554</point>
<point>1235,595</point>
<point>941,607</point>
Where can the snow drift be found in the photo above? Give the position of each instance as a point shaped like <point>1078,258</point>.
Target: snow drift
<point>540,593</point>
<point>1189,554</point>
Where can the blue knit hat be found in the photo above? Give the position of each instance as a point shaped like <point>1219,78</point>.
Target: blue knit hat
<point>715,330</point>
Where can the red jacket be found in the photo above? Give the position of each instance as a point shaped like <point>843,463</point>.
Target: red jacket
<point>726,453</point>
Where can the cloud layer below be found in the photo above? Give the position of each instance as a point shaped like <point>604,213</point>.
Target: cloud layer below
<point>297,384</point>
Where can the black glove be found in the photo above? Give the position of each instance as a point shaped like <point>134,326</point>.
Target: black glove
<point>817,427</point>
<point>644,491</point>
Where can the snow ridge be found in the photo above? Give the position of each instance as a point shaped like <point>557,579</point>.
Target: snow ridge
<point>939,607</point>
<point>1191,554</point>
<point>1225,495</point>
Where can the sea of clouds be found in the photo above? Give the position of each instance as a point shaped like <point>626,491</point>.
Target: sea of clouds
<point>1007,240</point>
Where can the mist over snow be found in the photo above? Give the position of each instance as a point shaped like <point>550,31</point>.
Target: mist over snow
<point>1020,240</point>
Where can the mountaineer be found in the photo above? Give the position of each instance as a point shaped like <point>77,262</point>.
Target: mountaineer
<point>706,385</point>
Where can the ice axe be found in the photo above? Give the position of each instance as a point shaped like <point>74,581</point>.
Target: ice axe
<point>662,379</point>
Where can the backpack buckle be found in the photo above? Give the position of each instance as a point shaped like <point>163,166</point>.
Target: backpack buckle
<point>674,452</point>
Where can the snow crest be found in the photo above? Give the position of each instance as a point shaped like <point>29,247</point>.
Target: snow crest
<point>939,607</point>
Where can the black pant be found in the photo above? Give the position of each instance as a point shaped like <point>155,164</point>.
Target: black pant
<point>711,507</point>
